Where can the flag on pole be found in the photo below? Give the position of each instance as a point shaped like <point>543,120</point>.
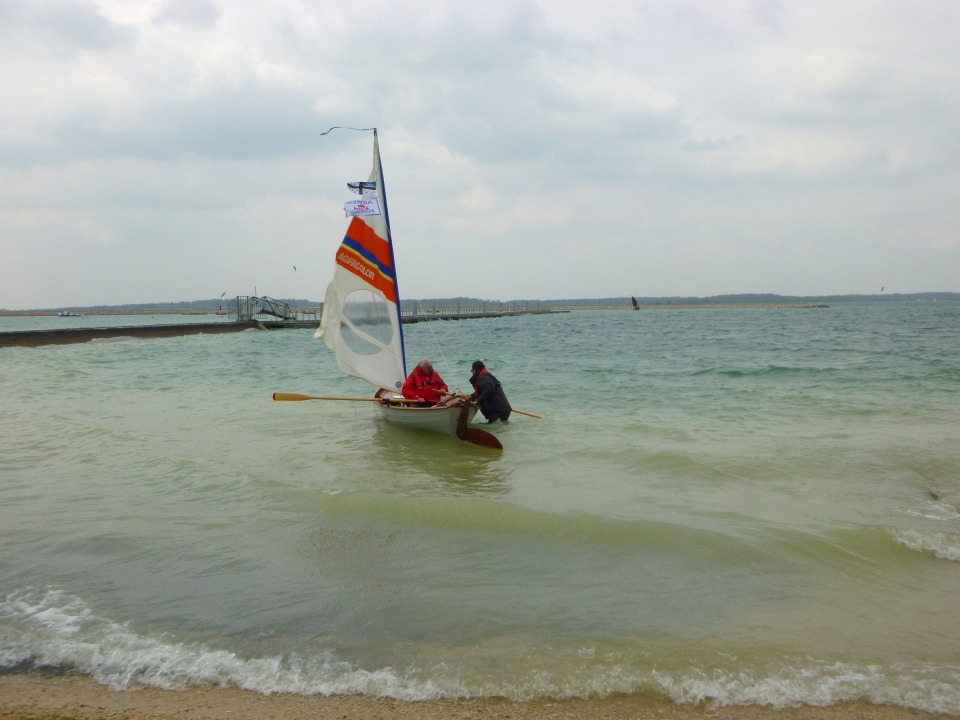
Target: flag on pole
<point>363,187</point>
<point>354,208</point>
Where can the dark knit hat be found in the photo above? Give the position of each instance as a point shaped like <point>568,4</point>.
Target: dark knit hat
<point>477,365</point>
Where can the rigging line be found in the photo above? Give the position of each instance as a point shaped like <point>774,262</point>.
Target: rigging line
<point>430,325</point>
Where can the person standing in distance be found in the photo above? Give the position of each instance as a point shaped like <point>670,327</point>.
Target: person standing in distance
<point>488,394</point>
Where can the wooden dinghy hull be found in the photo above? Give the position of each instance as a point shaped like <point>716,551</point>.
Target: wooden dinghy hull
<point>443,419</point>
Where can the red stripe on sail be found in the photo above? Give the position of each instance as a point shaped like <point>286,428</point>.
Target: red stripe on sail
<point>350,260</point>
<point>366,238</point>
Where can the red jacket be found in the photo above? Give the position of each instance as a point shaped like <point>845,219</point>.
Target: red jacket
<point>421,385</point>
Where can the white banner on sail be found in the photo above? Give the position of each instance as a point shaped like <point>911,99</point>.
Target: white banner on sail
<point>369,206</point>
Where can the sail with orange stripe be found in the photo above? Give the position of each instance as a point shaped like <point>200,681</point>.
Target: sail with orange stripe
<point>361,320</point>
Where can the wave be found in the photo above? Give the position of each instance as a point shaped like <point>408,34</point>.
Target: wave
<point>52,629</point>
<point>775,370</point>
<point>807,681</point>
<point>493,517</point>
<point>940,536</point>
<point>943,545</point>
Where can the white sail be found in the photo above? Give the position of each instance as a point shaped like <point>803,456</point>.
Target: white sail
<point>360,321</point>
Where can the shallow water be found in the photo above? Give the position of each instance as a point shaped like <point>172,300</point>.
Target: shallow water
<point>749,506</point>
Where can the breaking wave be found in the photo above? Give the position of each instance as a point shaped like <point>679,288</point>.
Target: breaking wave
<point>53,629</point>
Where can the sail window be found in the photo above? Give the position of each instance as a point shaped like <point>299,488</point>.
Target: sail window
<point>367,328</point>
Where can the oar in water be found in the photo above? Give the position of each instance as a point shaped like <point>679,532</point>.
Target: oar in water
<point>539,417</point>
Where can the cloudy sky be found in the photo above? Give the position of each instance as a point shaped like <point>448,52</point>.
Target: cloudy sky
<point>165,150</point>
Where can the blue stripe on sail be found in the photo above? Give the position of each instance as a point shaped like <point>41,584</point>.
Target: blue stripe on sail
<point>367,255</point>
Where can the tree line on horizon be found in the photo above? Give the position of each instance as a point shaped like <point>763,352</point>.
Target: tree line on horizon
<point>736,299</point>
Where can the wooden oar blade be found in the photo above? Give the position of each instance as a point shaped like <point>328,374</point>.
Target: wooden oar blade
<point>290,396</point>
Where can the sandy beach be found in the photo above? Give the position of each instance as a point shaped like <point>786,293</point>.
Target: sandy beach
<point>72,697</point>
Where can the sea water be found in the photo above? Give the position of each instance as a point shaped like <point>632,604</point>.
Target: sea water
<point>732,506</point>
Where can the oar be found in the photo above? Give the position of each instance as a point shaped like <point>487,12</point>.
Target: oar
<point>539,417</point>
<point>299,396</point>
<point>521,412</point>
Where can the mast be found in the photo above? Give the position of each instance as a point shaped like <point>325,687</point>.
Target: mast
<point>386,216</point>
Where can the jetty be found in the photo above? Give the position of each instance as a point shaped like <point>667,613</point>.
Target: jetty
<point>64,336</point>
<point>249,313</point>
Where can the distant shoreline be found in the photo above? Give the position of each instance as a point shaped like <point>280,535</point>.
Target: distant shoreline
<point>208,306</point>
<point>665,306</point>
<point>715,306</point>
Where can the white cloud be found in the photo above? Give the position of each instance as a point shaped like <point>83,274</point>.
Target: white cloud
<point>172,150</point>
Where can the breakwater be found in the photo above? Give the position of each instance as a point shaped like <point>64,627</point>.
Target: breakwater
<point>61,336</point>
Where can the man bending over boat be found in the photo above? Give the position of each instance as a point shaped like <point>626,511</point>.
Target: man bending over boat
<point>488,394</point>
<point>424,384</point>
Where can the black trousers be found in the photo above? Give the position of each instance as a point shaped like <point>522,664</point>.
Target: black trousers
<point>493,416</point>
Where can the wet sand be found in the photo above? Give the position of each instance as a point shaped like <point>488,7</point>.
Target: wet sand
<point>71,697</point>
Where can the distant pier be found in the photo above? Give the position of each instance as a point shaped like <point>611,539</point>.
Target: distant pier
<point>64,336</point>
<point>249,313</point>
<point>253,313</point>
<point>491,310</point>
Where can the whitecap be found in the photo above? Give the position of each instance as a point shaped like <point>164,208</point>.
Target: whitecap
<point>943,545</point>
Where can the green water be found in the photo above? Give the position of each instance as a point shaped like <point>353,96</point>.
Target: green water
<point>754,506</point>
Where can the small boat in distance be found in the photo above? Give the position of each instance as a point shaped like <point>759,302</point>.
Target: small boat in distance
<point>68,313</point>
<point>634,301</point>
<point>360,321</point>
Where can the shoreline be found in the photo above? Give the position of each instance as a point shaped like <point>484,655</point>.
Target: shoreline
<point>552,308</point>
<point>34,696</point>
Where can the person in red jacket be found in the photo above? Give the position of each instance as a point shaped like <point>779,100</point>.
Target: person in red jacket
<point>424,384</point>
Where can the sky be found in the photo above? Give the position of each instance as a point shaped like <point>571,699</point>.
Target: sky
<point>168,150</point>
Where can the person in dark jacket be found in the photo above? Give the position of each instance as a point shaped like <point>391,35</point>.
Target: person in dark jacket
<point>488,394</point>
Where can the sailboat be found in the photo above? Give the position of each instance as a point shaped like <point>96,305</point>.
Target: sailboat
<point>361,321</point>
